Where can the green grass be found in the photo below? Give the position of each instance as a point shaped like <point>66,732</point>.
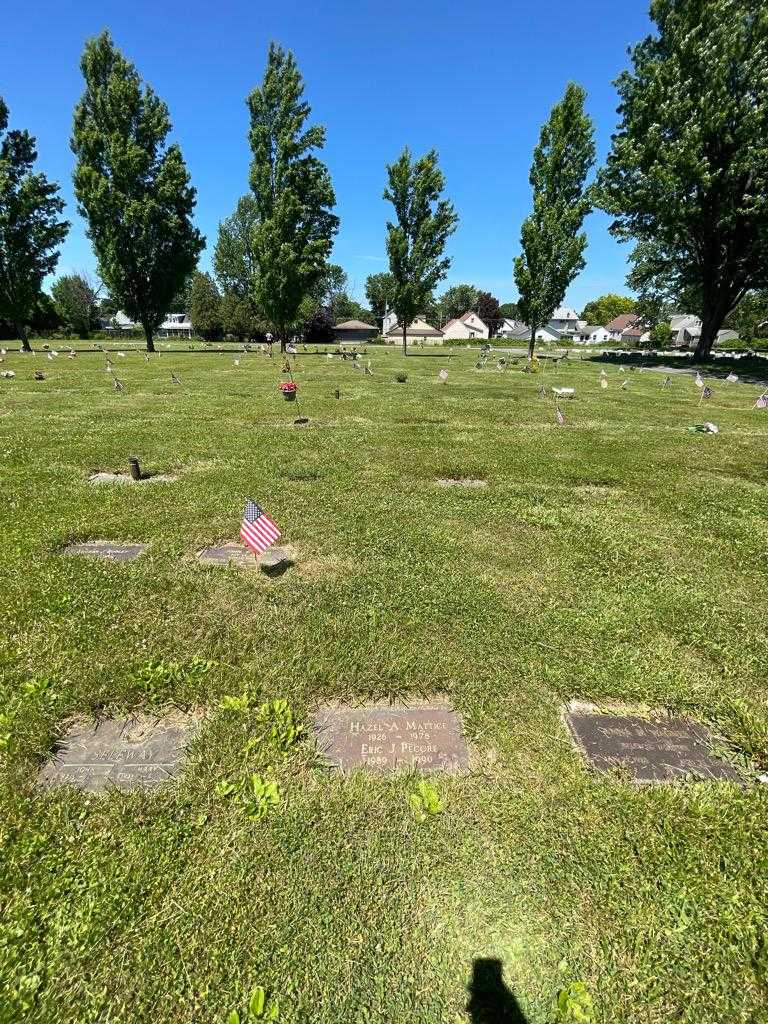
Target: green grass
<point>620,559</point>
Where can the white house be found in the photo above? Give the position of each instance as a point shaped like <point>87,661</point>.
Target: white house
<point>593,335</point>
<point>565,321</point>
<point>175,325</point>
<point>514,329</point>
<point>467,326</point>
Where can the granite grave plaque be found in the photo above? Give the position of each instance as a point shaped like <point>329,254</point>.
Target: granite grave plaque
<point>389,738</point>
<point>228,554</point>
<point>111,550</point>
<point>652,750</point>
<point>129,753</point>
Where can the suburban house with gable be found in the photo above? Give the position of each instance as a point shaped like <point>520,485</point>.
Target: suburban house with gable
<point>593,335</point>
<point>619,324</point>
<point>467,326</point>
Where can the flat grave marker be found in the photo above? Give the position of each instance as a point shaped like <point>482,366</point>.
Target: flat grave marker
<point>273,562</point>
<point>110,550</point>
<point>103,477</point>
<point>652,750</point>
<point>461,481</point>
<point>131,753</point>
<point>388,738</point>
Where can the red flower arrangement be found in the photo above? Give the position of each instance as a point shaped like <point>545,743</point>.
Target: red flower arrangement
<point>288,388</point>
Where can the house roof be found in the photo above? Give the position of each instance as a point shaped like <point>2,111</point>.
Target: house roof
<point>592,328</point>
<point>622,322</point>
<point>564,313</point>
<point>354,325</point>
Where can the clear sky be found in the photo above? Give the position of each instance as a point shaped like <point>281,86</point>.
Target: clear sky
<point>475,80</point>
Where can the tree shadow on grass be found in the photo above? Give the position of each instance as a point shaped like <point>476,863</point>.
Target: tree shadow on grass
<point>490,1001</point>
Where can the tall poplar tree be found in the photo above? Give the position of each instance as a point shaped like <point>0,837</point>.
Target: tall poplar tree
<point>416,243</point>
<point>552,241</point>
<point>133,191</point>
<point>294,228</point>
<point>687,176</point>
<point>30,229</point>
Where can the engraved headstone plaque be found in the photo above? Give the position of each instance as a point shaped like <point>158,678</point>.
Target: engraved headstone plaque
<point>111,550</point>
<point>129,753</point>
<point>652,750</point>
<point>228,554</point>
<point>384,738</point>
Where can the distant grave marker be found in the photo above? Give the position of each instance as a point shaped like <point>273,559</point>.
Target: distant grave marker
<point>652,750</point>
<point>110,550</point>
<point>126,478</point>
<point>130,753</point>
<point>384,738</point>
<point>461,481</point>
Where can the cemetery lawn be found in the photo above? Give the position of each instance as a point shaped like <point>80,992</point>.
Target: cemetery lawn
<point>619,559</point>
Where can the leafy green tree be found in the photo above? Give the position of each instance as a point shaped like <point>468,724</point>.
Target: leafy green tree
<point>602,310</point>
<point>240,317</point>
<point>379,290</point>
<point>30,229</point>
<point>456,301</point>
<point>134,192</point>
<point>552,241</point>
<point>687,175</point>
<point>416,243</point>
<point>205,306</point>
<point>750,318</point>
<point>292,189</point>
<point>234,257</point>
<point>488,309</point>
<point>76,302</point>
<point>509,310</point>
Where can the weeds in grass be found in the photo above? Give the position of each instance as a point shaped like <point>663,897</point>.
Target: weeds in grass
<point>259,1008</point>
<point>155,678</point>
<point>275,723</point>
<point>425,801</point>
<point>236,704</point>
<point>254,795</point>
<point>574,1005</point>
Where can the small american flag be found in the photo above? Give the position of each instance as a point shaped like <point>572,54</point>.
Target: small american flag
<point>667,381</point>
<point>257,530</point>
<point>559,416</point>
<point>699,380</point>
<point>443,376</point>
<point>175,379</point>
<point>118,385</point>
<point>731,378</point>
<point>762,402</point>
<point>707,392</point>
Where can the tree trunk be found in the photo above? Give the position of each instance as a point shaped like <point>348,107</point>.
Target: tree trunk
<point>532,343</point>
<point>405,340</point>
<point>710,325</point>
<point>21,330</point>
<point>148,336</point>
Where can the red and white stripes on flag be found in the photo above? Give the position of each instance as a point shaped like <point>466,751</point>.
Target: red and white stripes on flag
<point>257,530</point>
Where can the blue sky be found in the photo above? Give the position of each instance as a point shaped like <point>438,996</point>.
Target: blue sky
<point>474,80</point>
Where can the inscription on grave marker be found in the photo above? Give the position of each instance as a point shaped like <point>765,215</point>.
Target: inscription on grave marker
<point>384,738</point>
<point>112,551</point>
<point>227,554</point>
<point>656,750</point>
<point>130,753</point>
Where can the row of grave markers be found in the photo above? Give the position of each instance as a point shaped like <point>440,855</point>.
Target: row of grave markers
<point>426,737</point>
